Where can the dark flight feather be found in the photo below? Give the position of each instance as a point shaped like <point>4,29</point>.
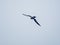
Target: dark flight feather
<point>26,15</point>
<point>37,22</point>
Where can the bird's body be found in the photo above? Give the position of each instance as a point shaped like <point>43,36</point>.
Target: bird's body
<point>32,17</point>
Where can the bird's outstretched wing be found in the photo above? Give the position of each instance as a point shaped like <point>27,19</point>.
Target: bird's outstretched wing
<point>37,22</point>
<point>26,15</point>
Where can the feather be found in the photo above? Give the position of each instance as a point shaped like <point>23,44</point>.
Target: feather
<point>37,22</point>
<point>26,15</point>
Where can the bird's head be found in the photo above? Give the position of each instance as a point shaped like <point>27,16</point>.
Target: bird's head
<point>34,16</point>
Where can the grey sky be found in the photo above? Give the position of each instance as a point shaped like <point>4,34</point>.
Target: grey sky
<point>16,29</point>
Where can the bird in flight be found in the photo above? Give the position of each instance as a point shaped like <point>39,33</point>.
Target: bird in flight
<point>32,17</point>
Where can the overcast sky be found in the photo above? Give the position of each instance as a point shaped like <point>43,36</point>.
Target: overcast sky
<point>16,29</point>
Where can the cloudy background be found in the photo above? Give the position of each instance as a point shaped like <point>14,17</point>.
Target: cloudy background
<point>16,29</point>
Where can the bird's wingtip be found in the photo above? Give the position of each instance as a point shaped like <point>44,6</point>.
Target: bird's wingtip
<point>39,25</point>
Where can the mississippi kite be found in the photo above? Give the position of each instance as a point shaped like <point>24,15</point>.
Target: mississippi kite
<point>32,17</point>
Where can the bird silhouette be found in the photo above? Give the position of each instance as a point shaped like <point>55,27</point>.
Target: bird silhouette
<point>32,17</point>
